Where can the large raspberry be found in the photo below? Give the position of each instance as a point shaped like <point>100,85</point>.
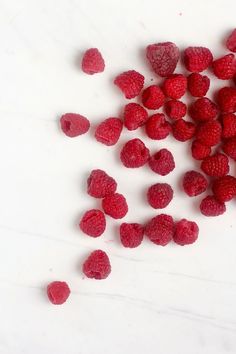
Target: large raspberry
<point>159,195</point>
<point>134,116</point>
<point>229,148</point>
<point>131,235</point>
<point>224,188</point>
<point>227,99</point>
<point>194,183</point>
<point>153,97</point>
<point>224,68</point>
<point>209,133</point>
<point>210,206</point>
<point>134,154</point>
<point>100,184</point>
<point>183,130</point>
<point>162,162</point>
<point>175,109</point>
<point>93,223</point>
<point>73,124</point>
<point>198,84</point>
<point>186,232</point>
<point>203,109</point>
<point>175,86</point>
<point>216,165</point>
<point>115,205</point>
<point>231,41</point>
<point>200,151</point>
<point>108,132</point>
<point>130,82</point>
<point>58,292</point>
<point>157,127</point>
<point>197,59</point>
<point>93,62</point>
<point>97,265</point>
<point>229,125</point>
<point>160,229</point>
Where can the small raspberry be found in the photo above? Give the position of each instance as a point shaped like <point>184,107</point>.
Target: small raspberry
<point>229,126</point>
<point>134,116</point>
<point>93,223</point>
<point>73,124</point>
<point>175,86</point>
<point>160,229</point>
<point>97,265</point>
<point>224,188</point>
<point>198,84</point>
<point>134,154</point>
<point>197,59</point>
<point>100,184</point>
<point>216,165</point>
<point>93,62</point>
<point>186,232</point>
<point>162,162</point>
<point>157,127</point>
<point>175,109</point>
<point>210,206</point>
<point>231,41</point>
<point>183,130</point>
<point>108,132</point>
<point>153,97</point>
<point>203,109</point>
<point>58,292</point>
<point>200,151</point>
<point>159,195</point>
<point>227,99</point>
<point>194,183</point>
<point>130,83</point>
<point>131,235</point>
<point>229,148</point>
<point>115,205</point>
<point>209,133</point>
<point>224,68</point>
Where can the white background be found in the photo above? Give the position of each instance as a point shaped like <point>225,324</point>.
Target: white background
<point>172,300</point>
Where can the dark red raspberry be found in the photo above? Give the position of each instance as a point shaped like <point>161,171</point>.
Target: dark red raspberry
<point>186,232</point>
<point>229,125</point>
<point>134,154</point>
<point>157,127</point>
<point>203,109</point>
<point>209,133</point>
<point>100,184</point>
<point>194,183</point>
<point>197,59</point>
<point>160,229</point>
<point>73,124</point>
<point>224,68</point>
<point>131,235</point>
<point>162,162</point>
<point>175,109</point>
<point>130,83</point>
<point>224,188</point>
<point>159,195</point>
<point>58,292</point>
<point>229,148</point>
<point>231,41</point>
<point>183,130</point>
<point>210,206</point>
<point>115,205</point>
<point>93,62</point>
<point>93,223</point>
<point>163,57</point>
<point>198,84</point>
<point>153,97</point>
<point>175,86</point>
<point>216,165</point>
<point>200,151</point>
<point>134,116</point>
<point>227,99</point>
<point>97,265</point>
<point>108,132</point>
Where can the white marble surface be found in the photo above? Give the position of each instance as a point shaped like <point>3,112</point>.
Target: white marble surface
<point>169,300</point>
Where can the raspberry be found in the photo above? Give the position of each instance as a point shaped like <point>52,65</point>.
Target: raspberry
<point>153,97</point>
<point>183,130</point>
<point>200,151</point>
<point>209,133</point>
<point>58,292</point>
<point>130,83</point>
<point>73,124</point>
<point>97,265</point>
<point>175,86</point>
<point>229,126</point>
<point>159,195</point>
<point>215,165</point>
<point>198,84</point>
<point>108,132</point>
<point>224,188</point>
<point>163,57</point>
<point>197,59</point>
<point>131,235</point>
<point>224,68</point>
<point>160,229</point>
<point>186,232</point>
<point>100,184</point>
<point>115,205</point>
<point>134,116</point>
<point>175,109</point>
<point>229,148</point>
<point>210,206</point>
<point>93,223</point>
<point>134,154</point>
<point>203,109</point>
<point>231,41</point>
<point>93,62</point>
<point>157,127</point>
<point>162,162</point>
<point>194,183</point>
<point>227,99</point>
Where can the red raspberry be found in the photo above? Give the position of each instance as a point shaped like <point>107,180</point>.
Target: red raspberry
<point>231,41</point>
<point>229,126</point>
<point>134,116</point>
<point>115,205</point>
<point>100,184</point>
<point>183,130</point>
<point>194,183</point>
<point>97,265</point>
<point>159,195</point>
<point>215,165</point>
<point>73,124</point>
<point>108,132</point>
<point>162,162</point>
<point>153,97</point>
<point>224,68</point>
<point>58,292</point>
<point>210,206</point>
<point>200,151</point>
<point>160,229</point>
<point>93,223</point>
<point>175,109</point>
<point>203,109</point>
<point>131,235</point>
<point>229,148</point>
<point>130,82</point>
<point>209,133</point>
<point>157,127</point>
<point>227,99</point>
<point>175,86</point>
<point>134,154</point>
<point>163,57</point>
<point>198,84</point>
<point>224,188</point>
<point>197,59</point>
<point>186,232</point>
<point>93,62</point>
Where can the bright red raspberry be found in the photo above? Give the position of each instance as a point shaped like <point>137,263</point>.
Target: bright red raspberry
<point>163,57</point>
<point>229,148</point>
<point>160,195</point>
<point>224,188</point>
<point>100,184</point>
<point>175,109</point>
<point>115,205</point>
<point>134,154</point>
<point>229,125</point>
<point>227,99</point>
<point>209,133</point>
<point>224,68</point>
<point>175,86</point>
<point>197,59</point>
<point>160,229</point>
<point>130,83</point>
<point>131,235</point>
<point>198,84</point>
<point>97,265</point>
<point>93,62</point>
<point>108,132</point>
<point>157,127</point>
<point>186,232</point>
<point>93,223</point>
<point>210,206</point>
<point>194,183</point>
<point>200,151</point>
<point>203,109</point>
<point>153,97</point>
<point>231,41</point>
<point>134,116</point>
<point>58,292</point>
<point>162,162</point>
<point>216,165</point>
<point>183,130</point>
<point>73,124</point>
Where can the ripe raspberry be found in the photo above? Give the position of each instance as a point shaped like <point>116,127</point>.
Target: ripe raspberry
<point>159,195</point>
<point>227,99</point>
<point>229,126</point>
<point>160,229</point>
<point>183,130</point>
<point>175,109</point>
<point>108,132</point>
<point>231,41</point>
<point>194,183</point>
<point>162,162</point>
<point>224,188</point>
<point>200,151</point>
<point>134,116</point>
<point>131,235</point>
<point>58,292</point>
<point>97,265</point>
<point>175,86</point>
<point>100,184</point>
<point>209,133</point>
<point>186,232</point>
<point>130,83</point>
<point>73,124</point>
<point>216,165</point>
<point>157,127</point>
<point>203,109</point>
<point>163,57</point>
<point>93,62</point>
<point>115,205</point>
<point>229,148</point>
<point>224,68</point>
<point>210,206</point>
<point>153,97</point>
<point>134,154</point>
<point>198,84</point>
<point>197,59</point>
<point>93,223</point>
